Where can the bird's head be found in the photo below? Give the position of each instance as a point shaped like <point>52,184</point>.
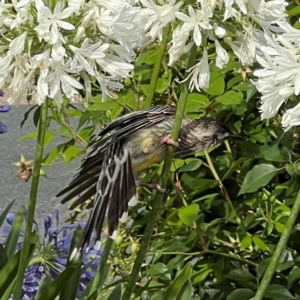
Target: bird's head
<point>214,132</point>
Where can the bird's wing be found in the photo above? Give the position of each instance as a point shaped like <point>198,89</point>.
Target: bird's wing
<point>115,188</point>
<point>124,126</point>
<point>106,172</point>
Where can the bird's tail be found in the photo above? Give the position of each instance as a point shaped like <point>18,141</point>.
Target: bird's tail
<point>115,189</point>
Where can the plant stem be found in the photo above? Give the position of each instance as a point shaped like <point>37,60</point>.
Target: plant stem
<point>32,200</point>
<point>156,69</point>
<point>278,251</point>
<point>224,192</point>
<point>158,199</point>
<point>102,268</point>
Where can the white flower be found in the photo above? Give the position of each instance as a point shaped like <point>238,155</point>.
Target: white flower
<point>60,79</point>
<point>105,83</point>
<point>197,20</point>
<point>87,51</point>
<point>50,23</point>
<point>267,13</point>
<point>291,117</point>
<point>179,47</point>
<point>279,77</point>
<point>199,74</point>
<point>222,56</point>
<point>219,31</point>
<point>156,17</point>
<point>231,11</point>
<point>16,46</point>
<point>245,45</point>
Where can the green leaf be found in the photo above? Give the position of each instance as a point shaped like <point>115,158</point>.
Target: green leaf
<point>240,294</point>
<point>251,91</point>
<point>55,287</point>
<point>295,11</point>
<point>147,57</point>
<point>260,243</point>
<point>262,267</point>
<point>146,88</point>
<point>86,133</point>
<point>53,154</point>
<point>230,98</point>
<point>279,227</point>
<point>116,293</point>
<point>49,135</point>
<point>26,115</point>
<point>14,234</point>
<point>186,291</point>
<point>70,153</point>
<point>44,285</point>
<point>273,153</point>
<point>195,103</point>
<point>9,272</point>
<point>178,283</point>
<point>237,79</point>
<point>278,292</point>
<point>69,291</point>
<point>115,113</point>
<point>189,214</point>
<point>246,242</point>
<point>3,257</point>
<point>162,85</point>
<point>257,177</point>
<point>36,116</point>
<point>293,276</point>
<point>98,105</point>
<point>30,135</point>
<point>240,275</point>
<point>216,84</point>
<point>192,164</point>
<point>6,211</point>
<point>201,275</point>
<point>159,270</point>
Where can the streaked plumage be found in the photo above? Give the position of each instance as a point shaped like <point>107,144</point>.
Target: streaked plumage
<point>126,146</point>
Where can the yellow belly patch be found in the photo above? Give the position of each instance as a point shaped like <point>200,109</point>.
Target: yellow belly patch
<point>146,161</point>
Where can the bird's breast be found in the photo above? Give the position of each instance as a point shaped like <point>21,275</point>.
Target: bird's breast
<point>147,147</point>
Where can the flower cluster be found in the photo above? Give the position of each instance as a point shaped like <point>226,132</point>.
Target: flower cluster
<point>64,50</point>
<point>50,257</point>
<point>213,21</point>
<point>3,109</point>
<point>279,76</point>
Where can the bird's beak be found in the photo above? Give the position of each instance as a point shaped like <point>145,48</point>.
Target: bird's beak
<point>236,137</point>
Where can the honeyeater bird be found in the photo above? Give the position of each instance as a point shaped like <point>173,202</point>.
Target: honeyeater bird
<point>125,147</point>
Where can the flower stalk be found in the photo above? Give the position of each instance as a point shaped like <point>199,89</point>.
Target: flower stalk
<point>279,249</point>
<point>103,268</point>
<point>32,200</point>
<point>156,69</point>
<point>158,200</point>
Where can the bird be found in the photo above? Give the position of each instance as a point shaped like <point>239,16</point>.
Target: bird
<point>125,147</point>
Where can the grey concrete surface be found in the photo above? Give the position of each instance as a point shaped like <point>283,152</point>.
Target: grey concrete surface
<point>11,187</point>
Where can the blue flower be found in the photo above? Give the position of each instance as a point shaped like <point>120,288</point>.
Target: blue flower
<point>3,109</point>
<point>51,254</point>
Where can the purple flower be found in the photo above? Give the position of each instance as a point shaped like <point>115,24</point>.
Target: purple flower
<point>3,128</point>
<point>53,251</point>
<point>3,109</point>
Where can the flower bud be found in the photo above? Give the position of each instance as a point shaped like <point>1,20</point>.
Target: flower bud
<point>80,34</point>
<point>134,247</point>
<point>118,240</point>
<point>87,18</point>
<point>127,82</point>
